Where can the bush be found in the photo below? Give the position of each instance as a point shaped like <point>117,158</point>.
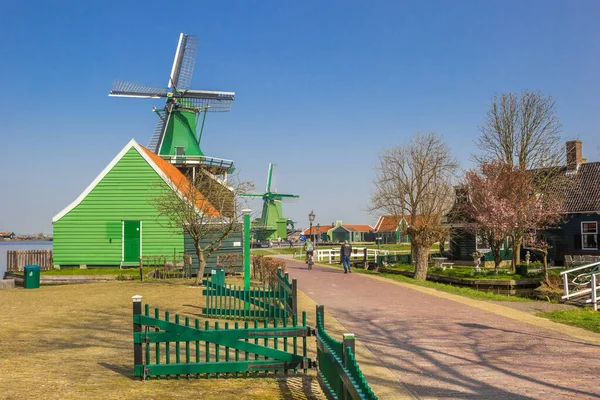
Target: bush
<point>552,290</point>
<point>264,269</point>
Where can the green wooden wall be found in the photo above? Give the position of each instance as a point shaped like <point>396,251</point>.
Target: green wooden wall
<point>91,232</point>
<point>232,244</point>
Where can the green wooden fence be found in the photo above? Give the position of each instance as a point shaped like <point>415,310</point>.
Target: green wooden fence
<point>167,348</point>
<point>230,301</point>
<point>338,372</point>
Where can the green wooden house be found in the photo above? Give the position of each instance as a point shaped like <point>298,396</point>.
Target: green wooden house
<point>113,222</point>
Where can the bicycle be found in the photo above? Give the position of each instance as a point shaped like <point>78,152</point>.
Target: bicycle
<point>309,259</point>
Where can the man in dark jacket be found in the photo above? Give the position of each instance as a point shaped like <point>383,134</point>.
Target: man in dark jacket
<point>345,252</point>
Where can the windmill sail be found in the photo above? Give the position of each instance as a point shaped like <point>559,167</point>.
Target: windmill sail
<point>159,131</point>
<point>129,89</point>
<point>183,64</point>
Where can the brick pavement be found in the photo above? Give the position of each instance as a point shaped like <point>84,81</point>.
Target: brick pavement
<point>442,349</point>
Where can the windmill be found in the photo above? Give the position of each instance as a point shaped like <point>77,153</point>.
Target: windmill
<point>272,222</point>
<point>174,138</point>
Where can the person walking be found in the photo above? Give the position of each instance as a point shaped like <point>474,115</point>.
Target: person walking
<point>278,241</point>
<point>345,252</point>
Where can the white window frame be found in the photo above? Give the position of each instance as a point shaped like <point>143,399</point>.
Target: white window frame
<point>589,233</point>
<point>477,248</point>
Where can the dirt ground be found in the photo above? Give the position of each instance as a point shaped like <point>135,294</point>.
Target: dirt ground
<point>72,342</point>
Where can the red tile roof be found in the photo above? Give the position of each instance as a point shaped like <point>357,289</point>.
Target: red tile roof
<point>387,223</point>
<point>358,228</point>
<point>314,231</point>
<point>183,184</point>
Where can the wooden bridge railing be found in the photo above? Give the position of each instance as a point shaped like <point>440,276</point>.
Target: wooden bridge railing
<point>17,259</point>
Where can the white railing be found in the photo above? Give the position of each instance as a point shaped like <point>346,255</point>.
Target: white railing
<point>358,253</point>
<point>210,161</point>
<point>586,281</point>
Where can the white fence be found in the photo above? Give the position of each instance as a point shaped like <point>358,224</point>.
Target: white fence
<point>582,281</point>
<point>358,254</point>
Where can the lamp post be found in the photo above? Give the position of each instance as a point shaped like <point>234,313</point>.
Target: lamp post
<point>311,218</point>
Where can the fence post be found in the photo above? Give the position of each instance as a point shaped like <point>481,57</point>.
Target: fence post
<point>365,258</point>
<point>347,342</point>
<point>137,327</point>
<point>594,288</point>
<point>141,269</point>
<point>321,313</point>
<point>294,297</point>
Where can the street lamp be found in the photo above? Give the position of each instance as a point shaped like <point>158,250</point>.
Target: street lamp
<point>311,218</point>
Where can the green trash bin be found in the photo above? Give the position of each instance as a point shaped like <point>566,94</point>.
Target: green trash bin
<point>32,277</point>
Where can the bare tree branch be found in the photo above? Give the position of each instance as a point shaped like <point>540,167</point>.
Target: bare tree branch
<point>415,179</point>
<point>203,207</point>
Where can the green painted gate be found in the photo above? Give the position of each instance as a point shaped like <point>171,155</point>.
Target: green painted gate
<point>228,301</point>
<point>132,234</point>
<point>165,347</point>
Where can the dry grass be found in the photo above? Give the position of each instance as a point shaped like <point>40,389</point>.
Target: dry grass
<point>72,342</point>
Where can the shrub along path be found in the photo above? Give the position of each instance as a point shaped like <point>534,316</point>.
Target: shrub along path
<point>444,346</point>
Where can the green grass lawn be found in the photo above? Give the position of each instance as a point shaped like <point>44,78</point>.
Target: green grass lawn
<point>467,272</point>
<point>585,318</point>
<point>467,292</point>
<point>98,271</point>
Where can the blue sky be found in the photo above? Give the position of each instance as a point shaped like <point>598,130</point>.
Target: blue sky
<point>321,87</point>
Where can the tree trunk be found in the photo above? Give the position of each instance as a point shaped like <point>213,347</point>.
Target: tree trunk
<point>545,259</point>
<point>516,254</point>
<point>517,246</point>
<point>421,257</point>
<point>497,260</point>
<point>201,266</point>
<point>442,244</point>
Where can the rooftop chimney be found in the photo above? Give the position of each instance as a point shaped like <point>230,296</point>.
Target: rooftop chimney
<point>574,156</point>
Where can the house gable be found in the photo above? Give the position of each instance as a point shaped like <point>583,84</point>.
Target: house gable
<point>89,230</point>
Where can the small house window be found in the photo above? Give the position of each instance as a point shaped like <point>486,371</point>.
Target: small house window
<point>589,235</point>
<point>481,243</point>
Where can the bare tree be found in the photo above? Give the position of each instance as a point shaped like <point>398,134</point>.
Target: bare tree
<point>414,179</point>
<point>522,130</point>
<point>203,207</point>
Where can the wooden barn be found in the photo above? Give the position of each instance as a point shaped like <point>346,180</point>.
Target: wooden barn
<point>351,233</point>
<point>390,229</point>
<point>114,222</point>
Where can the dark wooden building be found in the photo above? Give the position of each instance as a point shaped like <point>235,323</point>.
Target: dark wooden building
<point>577,234</point>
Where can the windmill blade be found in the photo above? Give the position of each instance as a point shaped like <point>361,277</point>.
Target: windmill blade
<point>129,89</point>
<point>250,195</point>
<point>207,94</point>
<point>159,131</point>
<point>269,177</point>
<point>287,198</point>
<point>183,64</point>
<point>206,104</point>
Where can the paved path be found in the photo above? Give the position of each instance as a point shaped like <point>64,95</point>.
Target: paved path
<point>443,349</point>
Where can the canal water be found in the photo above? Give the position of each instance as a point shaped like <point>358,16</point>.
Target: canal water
<point>10,245</point>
